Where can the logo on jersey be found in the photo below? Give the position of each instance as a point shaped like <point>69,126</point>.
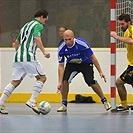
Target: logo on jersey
<point>66,50</point>
<point>39,34</point>
<point>68,56</point>
<point>77,61</point>
<point>59,58</point>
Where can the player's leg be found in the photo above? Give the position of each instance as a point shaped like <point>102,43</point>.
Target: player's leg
<point>125,77</point>
<point>6,93</point>
<point>88,73</point>
<point>37,88</point>
<point>122,91</point>
<point>65,90</point>
<point>35,69</point>
<point>97,89</point>
<point>69,73</point>
<point>123,96</point>
<point>17,75</point>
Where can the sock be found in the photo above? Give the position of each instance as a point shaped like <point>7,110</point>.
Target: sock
<point>124,103</point>
<point>103,99</point>
<point>64,101</point>
<point>37,88</point>
<point>6,93</point>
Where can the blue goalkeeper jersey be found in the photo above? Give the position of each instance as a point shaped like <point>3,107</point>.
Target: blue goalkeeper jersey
<point>80,52</point>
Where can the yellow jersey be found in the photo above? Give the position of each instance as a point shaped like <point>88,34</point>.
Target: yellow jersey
<point>129,33</point>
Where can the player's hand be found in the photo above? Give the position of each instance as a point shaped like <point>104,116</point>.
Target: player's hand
<point>47,55</point>
<point>103,76</point>
<point>59,88</point>
<point>58,91</point>
<point>105,80</point>
<point>113,34</point>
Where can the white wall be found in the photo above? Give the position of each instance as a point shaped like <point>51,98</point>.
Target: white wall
<point>50,66</point>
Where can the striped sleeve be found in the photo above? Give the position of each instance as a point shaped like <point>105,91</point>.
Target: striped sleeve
<point>61,57</point>
<point>38,29</point>
<point>84,46</point>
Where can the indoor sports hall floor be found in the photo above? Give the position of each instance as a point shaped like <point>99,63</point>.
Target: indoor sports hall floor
<point>80,118</point>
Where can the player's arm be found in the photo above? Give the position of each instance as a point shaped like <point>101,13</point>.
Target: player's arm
<point>60,72</point>
<point>60,77</point>
<point>61,60</point>
<point>127,40</point>
<point>97,65</point>
<point>38,29</point>
<point>41,47</point>
<point>16,44</point>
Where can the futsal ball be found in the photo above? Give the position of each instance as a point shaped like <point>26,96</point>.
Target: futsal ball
<point>44,107</point>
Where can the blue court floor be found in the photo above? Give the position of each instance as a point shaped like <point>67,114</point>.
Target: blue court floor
<point>80,118</point>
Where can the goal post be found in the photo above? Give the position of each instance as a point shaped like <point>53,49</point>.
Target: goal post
<point>117,7</point>
<point>113,53</point>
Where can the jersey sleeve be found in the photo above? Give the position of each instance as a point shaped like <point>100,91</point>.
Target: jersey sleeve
<point>18,38</point>
<point>87,49</point>
<point>61,58</point>
<point>89,52</point>
<point>38,30</point>
<point>132,32</point>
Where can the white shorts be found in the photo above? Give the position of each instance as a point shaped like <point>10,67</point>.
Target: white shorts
<point>32,69</point>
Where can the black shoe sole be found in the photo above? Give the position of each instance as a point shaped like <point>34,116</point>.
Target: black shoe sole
<point>3,113</point>
<point>115,110</point>
<point>61,111</point>
<point>108,108</point>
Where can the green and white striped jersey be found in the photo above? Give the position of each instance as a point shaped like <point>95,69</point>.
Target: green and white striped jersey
<point>27,45</point>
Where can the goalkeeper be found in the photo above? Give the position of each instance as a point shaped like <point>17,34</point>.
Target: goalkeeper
<point>127,76</point>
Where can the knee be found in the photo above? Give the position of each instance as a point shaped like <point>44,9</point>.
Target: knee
<point>42,78</point>
<point>119,83</point>
<point>65,83</point>
<point>116,83</point>
<point>16,83</point>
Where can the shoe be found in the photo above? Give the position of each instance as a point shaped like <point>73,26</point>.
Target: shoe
<point>132,108</point>
<point>33,106</point>
<point>3,111</point>
<point>63,108</point>
<point>107,105</point>
<point>120,108</point>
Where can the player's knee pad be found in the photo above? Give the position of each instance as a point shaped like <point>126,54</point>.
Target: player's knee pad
<point>38,86</point>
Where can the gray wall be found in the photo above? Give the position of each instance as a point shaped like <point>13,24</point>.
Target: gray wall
<point>88,18</point>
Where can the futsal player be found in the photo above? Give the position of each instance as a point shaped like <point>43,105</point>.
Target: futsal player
<point>61,31</point>
<point>79,58</point>
<point>25,61</point>
<point>127,76</point>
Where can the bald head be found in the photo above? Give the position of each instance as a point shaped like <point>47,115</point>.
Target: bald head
<point>68,33</point>
<point>68,36</point>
